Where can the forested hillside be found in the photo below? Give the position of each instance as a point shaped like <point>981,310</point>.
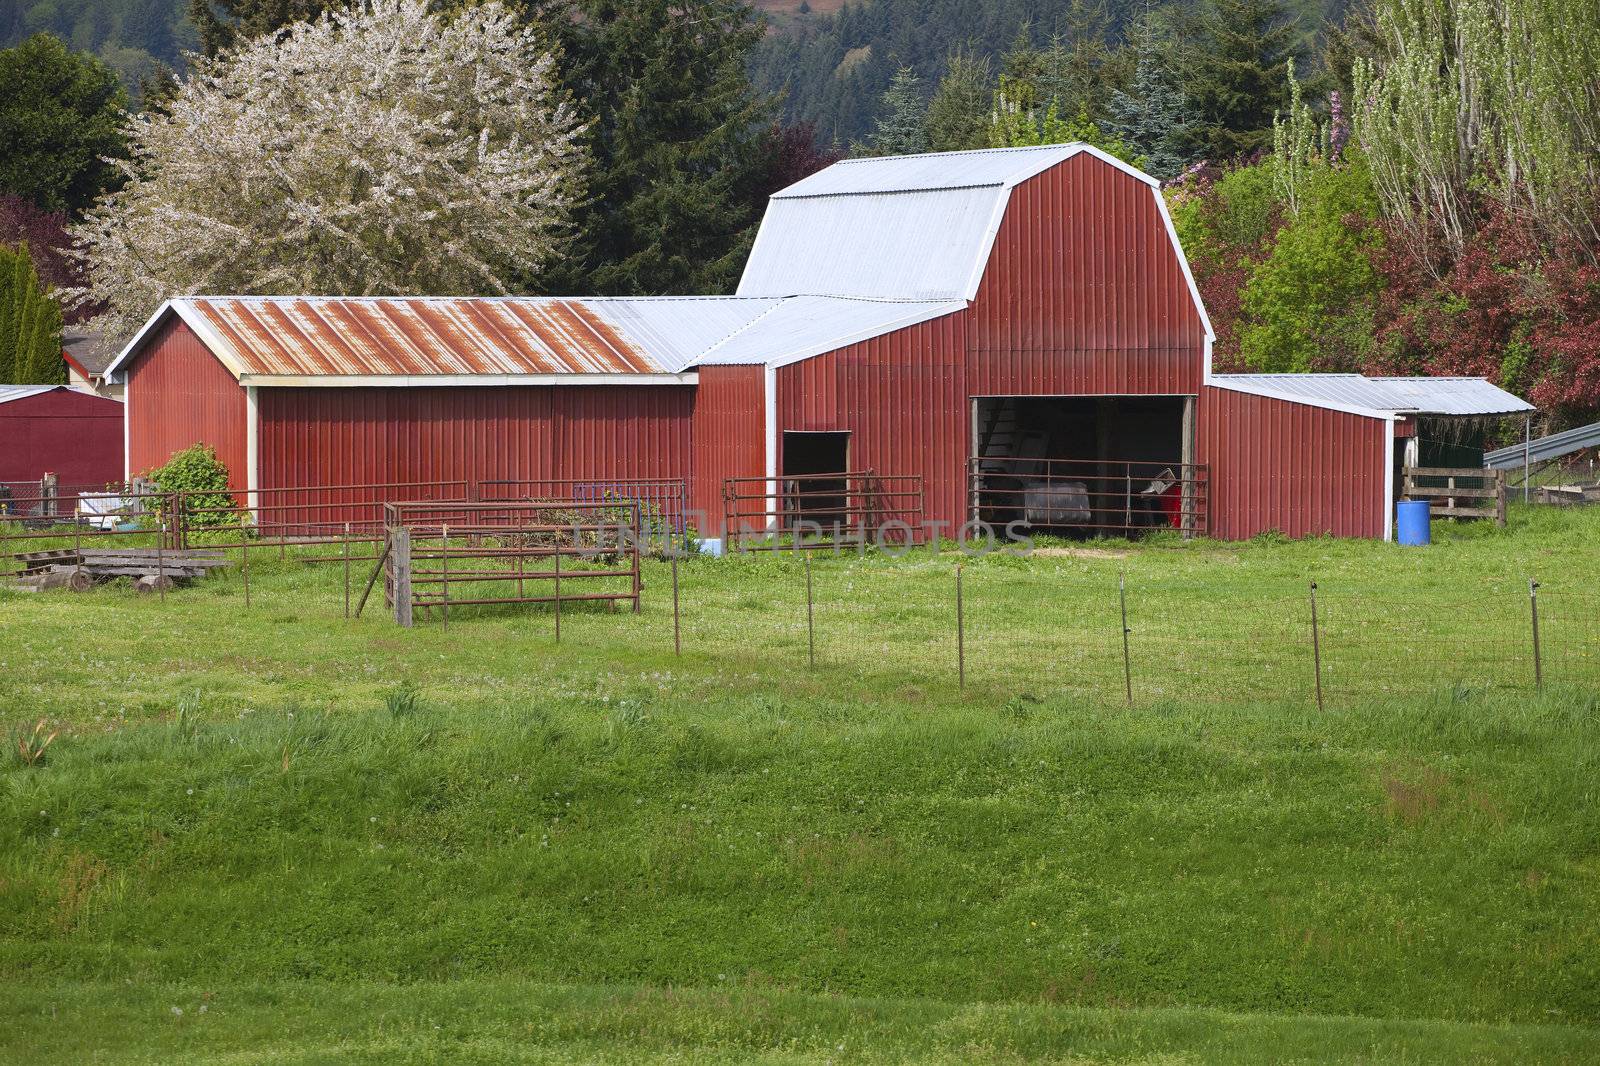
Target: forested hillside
<point>130,36</point>
<point>833,61</point>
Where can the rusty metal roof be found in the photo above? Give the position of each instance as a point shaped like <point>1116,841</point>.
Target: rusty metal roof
<point>320,336</point>
<point>329,340</point>
<point>319,339</point>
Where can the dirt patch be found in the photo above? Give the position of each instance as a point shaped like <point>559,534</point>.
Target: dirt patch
<point>77,882</point>
<point>1411,802</point>
<point>1080,553</point>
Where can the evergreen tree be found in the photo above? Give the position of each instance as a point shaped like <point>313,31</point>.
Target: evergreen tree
<point>678,138</point>
<point>958,114</point>
<point>901,128</point>
<point>1232,59</point>
<point>1151,117</point>
<point>30,324</point>
<point>224,23</point>
<point>60,113</point>
<point>1088,68</point>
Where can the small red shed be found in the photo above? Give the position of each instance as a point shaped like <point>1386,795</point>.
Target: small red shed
<point>54,429</point>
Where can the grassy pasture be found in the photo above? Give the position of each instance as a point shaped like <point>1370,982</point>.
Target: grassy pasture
<point>598,851</point>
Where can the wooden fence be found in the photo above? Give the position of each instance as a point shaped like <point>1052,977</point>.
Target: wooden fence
<point>1459,493</point>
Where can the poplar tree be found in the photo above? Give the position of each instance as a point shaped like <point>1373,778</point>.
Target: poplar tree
<point>30,324</point>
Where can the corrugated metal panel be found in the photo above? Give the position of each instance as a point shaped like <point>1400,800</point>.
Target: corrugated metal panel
<point>678,330</point>
<point>805,326</point>
<point>1084,293</point>
<point>379,435</point>
<point>1541,449</point>
<point>1422,395</point>
<point>22,392</point>
<point>893,246</point>
<point>901,397</point>
<point>729,431</point>
<point>179,395</point>
<point>53,429</point>
<point>1298,469</point>
<point>937,170</point>
<point>337,336</point>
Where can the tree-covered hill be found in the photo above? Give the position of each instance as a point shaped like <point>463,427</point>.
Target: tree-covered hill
<point>131,36</point>
<point>833,61</point>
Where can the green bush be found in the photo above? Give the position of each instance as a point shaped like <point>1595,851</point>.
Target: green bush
<point>1309,305</point>
<point>203,479</point>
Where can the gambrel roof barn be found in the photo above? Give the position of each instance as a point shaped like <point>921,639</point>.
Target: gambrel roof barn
<point>983,322</point>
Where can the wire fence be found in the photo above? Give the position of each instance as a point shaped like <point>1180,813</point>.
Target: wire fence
<point>1011,631</point>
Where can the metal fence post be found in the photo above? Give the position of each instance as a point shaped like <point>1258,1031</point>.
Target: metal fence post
<point>444,606</point>
<point>161,563</point>
<point>811,632</point>
<point>1538,664</point>
<point>1316,645</point>
<point>961,633</point>
<point>558,593</point>
<point>244,541</point>
<point>1127,659</point>
<point>347,569</point>
<point>677,637</point>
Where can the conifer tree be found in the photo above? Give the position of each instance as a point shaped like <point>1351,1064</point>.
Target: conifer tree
<point>1232,60</point>
<point>678,138</point>
<point>1151,117</point>
<point>901,128</point>
<point>958,114</point>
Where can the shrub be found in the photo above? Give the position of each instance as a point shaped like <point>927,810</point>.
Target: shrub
<point>203,478</point>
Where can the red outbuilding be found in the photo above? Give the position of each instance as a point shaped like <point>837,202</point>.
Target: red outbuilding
<point>1005,335</point>
<point>53,429</point>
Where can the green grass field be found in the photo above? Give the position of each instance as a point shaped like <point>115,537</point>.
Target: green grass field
<point>251,843</point>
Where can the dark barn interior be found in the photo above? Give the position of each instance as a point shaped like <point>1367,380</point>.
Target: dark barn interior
<point>1080,465</point>
<point>808,496</point>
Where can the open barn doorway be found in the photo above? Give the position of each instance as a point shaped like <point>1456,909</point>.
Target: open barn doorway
<point>1086,466</point>
<point>815,486</point>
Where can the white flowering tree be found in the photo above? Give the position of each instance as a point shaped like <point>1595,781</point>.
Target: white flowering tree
<point>381,150</point>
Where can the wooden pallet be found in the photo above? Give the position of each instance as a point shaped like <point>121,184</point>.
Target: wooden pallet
<point>81,568</point>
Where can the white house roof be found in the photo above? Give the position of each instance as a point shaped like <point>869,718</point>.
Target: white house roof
<point>916,228</point>
<point>1454,396</point>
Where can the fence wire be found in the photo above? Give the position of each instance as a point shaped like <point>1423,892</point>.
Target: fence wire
<point>1020,630</point>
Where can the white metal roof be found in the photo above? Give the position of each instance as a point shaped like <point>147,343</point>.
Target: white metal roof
<point>805,326</point>
<point>914,227</point>
<point>19,392</point>
<point>933,170</point>
<point>1454,396</point>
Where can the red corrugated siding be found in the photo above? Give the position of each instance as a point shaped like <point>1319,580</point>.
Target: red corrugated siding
<point>729,436</point>
<point>179,395</point>
<point>76,436</point>
<point>1301,470</point>
<point>1084,293</point>
<point>344,436</point>
<point>901,397</point>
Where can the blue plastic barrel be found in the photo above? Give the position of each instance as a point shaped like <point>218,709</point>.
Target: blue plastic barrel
<point>1412,522</point>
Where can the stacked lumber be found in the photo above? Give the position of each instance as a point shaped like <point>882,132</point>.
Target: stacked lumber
<point>81,568</point>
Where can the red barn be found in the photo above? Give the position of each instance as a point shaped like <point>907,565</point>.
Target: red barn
<point>1015,331</point>
<point>53,429</point>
